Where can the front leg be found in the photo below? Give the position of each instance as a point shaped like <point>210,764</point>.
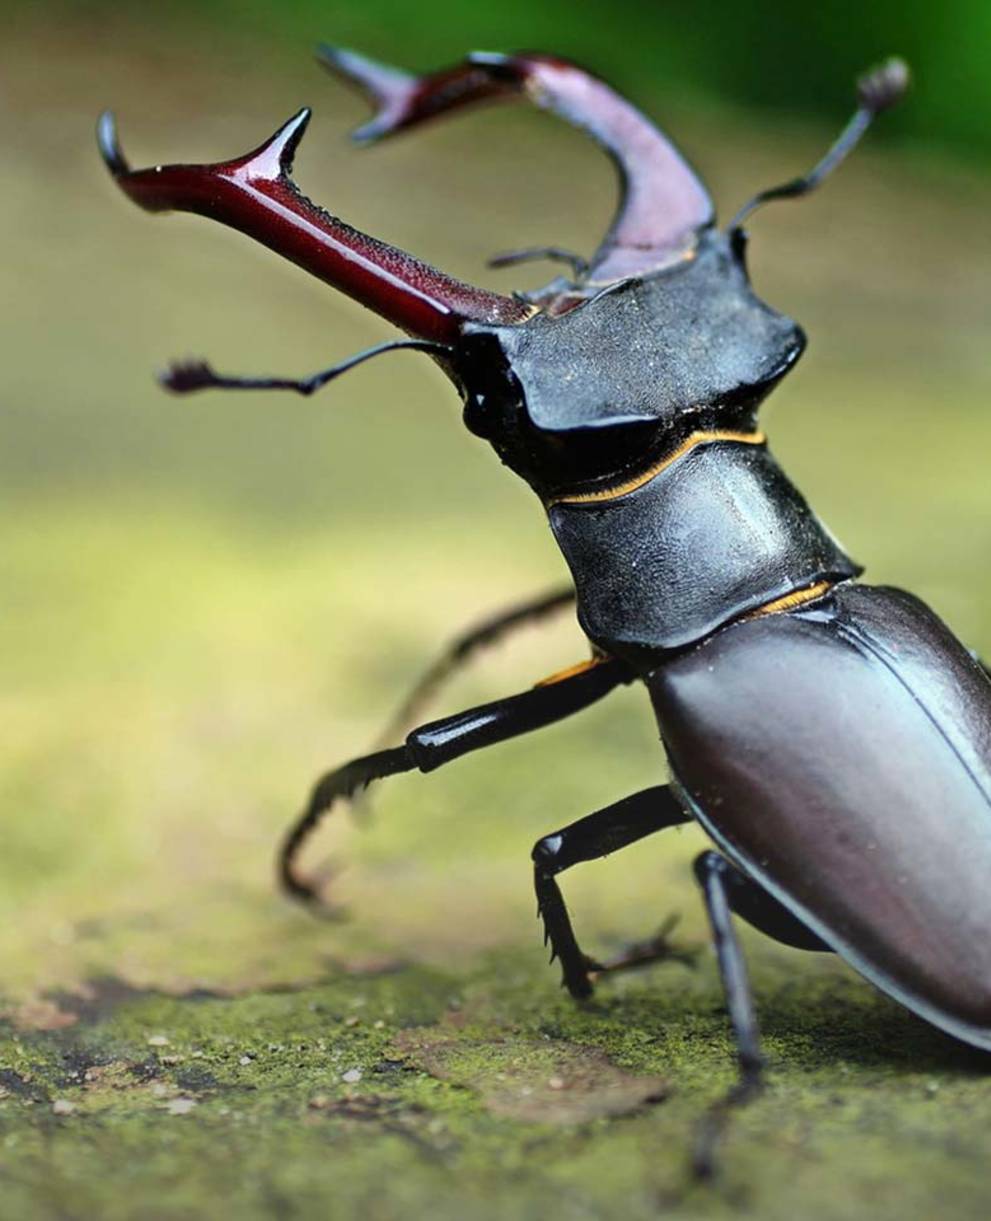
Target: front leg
<point>592,837</point>
<point>440,742</point>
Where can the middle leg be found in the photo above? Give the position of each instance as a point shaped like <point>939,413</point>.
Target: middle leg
<point>592,837</point>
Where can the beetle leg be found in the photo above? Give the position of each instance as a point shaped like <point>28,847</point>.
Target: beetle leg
<point>655,949</point>
<point>339,785</point>
<point>727,889</point>
<point>712,872</point>
<point>440,742</point>
<point>751,902</point>
<point>489,632</point>
<point>591,837</point>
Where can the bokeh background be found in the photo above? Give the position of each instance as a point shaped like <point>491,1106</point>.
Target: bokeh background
<point>207,601</point>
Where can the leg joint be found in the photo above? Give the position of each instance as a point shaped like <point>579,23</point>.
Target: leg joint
<point>547,854</point>
<point>706,864</point>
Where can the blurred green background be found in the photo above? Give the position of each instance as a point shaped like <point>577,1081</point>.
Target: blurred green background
<point>208,601</point>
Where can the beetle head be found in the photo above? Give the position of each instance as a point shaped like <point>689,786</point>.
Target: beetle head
<point>659,334</point>
<point>573,398</point>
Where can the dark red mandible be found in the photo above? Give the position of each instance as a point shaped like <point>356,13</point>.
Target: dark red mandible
<point>662,206</point>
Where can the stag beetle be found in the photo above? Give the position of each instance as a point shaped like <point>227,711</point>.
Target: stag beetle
<point>832,738</point>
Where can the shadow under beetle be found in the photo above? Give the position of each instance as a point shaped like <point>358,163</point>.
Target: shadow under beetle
<point>833,738</point>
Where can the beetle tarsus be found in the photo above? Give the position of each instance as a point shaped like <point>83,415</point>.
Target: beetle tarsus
<point>338,785</point>
<point>658,948</point>
<point>711,1130</point>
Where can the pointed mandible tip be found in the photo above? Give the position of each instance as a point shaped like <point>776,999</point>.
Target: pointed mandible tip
<point>388,89</point>
<point>109,144</point>
<point>274,158</point>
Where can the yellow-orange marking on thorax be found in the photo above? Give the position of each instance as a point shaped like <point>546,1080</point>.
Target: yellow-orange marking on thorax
<point>799,598</point>
<point>637,481</point>
<point>571,671</point>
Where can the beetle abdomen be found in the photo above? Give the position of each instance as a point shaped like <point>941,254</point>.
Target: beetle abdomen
<point>841,755</point>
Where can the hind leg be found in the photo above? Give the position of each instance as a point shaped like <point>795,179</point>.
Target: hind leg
<point>460,652</point>
<point>751,902</point>
<point>725,890</point>
<point>711,870</point>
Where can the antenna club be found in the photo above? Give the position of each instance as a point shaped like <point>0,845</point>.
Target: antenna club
<point>884,86</point>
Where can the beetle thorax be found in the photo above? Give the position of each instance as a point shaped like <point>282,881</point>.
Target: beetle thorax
<point>633,415</point>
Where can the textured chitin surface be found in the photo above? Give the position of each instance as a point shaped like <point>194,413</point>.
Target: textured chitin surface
<point>719,532</point>
<point>843,756</point>
<point>647,348</point>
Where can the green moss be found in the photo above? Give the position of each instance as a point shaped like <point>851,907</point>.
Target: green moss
<point>379,1095</point>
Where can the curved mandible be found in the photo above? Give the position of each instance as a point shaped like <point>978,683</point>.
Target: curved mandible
<point>256,195</point>
<point>662,205</point>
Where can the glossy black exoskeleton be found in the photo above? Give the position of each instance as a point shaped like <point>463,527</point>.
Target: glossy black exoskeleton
<point>832,738</point>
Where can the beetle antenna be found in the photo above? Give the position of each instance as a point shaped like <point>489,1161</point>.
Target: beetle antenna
<point>877,91</point>
<point>183,377</point>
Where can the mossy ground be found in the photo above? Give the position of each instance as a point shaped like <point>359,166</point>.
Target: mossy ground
<point>209,602</point>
